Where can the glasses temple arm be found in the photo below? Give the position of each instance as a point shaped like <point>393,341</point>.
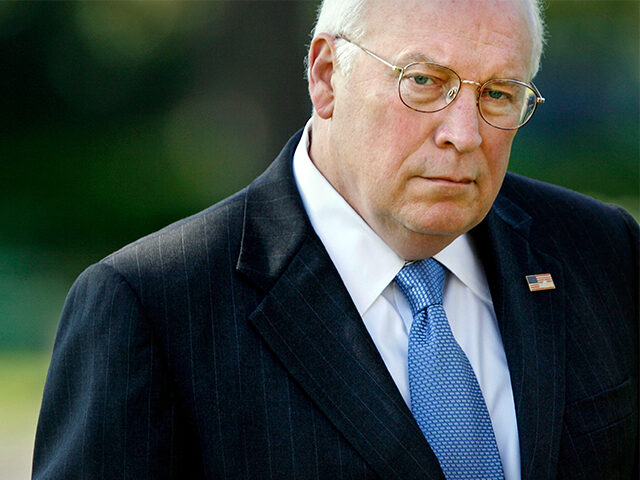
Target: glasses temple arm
<point>539,97</point>
<point>366,50</point>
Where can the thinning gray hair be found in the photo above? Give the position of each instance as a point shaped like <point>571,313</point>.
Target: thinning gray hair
<point>345,17</point>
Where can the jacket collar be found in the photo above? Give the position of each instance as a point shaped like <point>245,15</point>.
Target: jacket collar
<point>275,223</point>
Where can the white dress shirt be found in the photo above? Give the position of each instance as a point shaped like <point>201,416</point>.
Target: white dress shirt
<point>368,266</point>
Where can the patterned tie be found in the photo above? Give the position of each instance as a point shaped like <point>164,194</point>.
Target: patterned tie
<point>446,400</point>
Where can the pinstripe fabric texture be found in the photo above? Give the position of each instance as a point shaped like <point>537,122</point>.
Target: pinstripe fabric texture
<point>226,347</point>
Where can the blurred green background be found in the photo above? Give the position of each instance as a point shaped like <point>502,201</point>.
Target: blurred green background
<point>120,117</point>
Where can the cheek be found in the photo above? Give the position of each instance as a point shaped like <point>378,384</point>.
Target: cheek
<point>388,143</point>
<point>407,123</point>
<point>399,138</point>
<point>497,149</point>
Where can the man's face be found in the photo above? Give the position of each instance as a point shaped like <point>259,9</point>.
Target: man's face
<point>422,179</point>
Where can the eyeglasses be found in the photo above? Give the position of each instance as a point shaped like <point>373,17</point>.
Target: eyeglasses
<point>428,87</point>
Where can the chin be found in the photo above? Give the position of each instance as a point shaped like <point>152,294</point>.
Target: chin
<point>442,227</point>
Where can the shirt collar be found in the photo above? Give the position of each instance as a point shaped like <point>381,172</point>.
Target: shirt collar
<point>460,258</point>
<point>366,264</point>
<point>350,242</point>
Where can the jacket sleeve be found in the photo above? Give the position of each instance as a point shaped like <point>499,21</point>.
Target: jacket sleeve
<point>108,408</point>
<point>634,231</point>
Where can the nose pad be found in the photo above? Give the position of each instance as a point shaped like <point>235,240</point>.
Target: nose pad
<point>451,95</point>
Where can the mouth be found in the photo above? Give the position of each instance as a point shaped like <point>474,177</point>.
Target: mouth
<point>450,180</point>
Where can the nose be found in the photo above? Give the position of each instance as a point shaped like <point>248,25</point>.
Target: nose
<point>460,123</point>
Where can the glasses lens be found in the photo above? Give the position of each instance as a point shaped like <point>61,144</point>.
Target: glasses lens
<point>507,104</point>
<point>427,87</point>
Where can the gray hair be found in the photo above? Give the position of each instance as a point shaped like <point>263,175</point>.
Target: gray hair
<point>345,17</point>
<point>341,17</point>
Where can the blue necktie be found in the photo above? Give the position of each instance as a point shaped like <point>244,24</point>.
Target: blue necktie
<point>446,400</point>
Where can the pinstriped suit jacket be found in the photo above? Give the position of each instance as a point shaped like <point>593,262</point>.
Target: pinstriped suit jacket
<point>226,347</point>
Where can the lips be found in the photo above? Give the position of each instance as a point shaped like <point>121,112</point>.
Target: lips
<point>450,179</point>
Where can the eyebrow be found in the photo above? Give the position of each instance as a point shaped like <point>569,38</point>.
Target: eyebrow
<point>416,57</point>
<point>404,60</point>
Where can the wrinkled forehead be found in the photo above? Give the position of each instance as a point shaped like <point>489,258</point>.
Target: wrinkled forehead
<point>442,29</point>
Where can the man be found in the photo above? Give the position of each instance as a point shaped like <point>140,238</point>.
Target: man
<point>273,335</point>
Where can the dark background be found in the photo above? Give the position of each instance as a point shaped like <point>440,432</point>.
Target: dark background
<point>120,117</point>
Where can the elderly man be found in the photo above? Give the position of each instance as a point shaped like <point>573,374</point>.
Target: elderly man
<point>385,301</point>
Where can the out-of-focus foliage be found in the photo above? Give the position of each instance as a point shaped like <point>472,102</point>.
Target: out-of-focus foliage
<point>119,117</point>
<point>586,136</point>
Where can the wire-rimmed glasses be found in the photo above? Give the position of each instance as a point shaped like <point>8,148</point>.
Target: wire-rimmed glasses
<point>427,87</point>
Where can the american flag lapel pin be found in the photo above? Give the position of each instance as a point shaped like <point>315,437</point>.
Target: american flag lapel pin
<point>540,281</point>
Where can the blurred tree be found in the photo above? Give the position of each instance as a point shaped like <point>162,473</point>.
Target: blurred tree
<point>585,136</point>
<point>124,116</point>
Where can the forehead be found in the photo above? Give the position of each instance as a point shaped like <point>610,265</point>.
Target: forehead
<point>480,39</point>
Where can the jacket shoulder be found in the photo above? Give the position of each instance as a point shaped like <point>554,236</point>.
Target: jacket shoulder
<point>551,205</point>
<point>212,235</point>
<point>194,240</point>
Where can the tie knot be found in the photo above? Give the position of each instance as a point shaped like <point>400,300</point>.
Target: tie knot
<point>421,283</point>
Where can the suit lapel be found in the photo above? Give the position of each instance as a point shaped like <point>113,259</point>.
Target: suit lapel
<point>532,329</point>
<point>310,323</point>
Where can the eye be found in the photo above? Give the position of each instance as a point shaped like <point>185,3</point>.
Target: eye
<point>497,95</point>
<point>423,80</point>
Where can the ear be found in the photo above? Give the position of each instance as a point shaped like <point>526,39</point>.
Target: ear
<point>322,66</point>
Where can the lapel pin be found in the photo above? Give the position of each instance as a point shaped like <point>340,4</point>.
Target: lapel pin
<point>541,281</point>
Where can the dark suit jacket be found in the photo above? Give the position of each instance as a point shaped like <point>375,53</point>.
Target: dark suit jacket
<point>226,347</point>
